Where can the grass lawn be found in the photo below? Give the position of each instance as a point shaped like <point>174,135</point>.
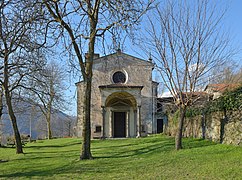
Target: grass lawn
<point>152,157</point>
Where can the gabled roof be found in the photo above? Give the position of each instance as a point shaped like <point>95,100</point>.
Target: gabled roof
<point>196,93</point>
<point>119,53</point>
<point>221,87</point>
<point>194,98</point>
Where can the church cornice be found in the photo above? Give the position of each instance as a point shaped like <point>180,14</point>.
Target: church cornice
<point>124,86</point>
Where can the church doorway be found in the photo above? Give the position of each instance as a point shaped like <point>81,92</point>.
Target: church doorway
<point>159,125</point>
<point>120,115</point>
<point>119,125</point>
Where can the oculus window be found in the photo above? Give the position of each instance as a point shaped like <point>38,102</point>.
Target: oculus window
<point>119,77</point>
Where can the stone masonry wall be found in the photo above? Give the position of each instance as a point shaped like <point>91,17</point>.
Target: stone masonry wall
<point>213,127</point>
<point>138,73</point>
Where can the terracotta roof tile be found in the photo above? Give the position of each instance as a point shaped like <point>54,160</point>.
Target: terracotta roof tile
<point>222,87</point>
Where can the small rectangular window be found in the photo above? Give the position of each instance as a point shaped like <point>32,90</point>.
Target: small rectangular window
<point>98,129</point>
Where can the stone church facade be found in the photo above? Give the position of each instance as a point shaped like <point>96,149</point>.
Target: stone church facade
<point>124,97</point>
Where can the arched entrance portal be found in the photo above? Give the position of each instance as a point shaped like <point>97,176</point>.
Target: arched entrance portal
<point>122,108</point>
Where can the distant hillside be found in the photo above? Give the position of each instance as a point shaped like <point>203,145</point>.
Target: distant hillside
<point>31,122</point>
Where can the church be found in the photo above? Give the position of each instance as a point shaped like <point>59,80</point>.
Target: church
<point>123,95</point>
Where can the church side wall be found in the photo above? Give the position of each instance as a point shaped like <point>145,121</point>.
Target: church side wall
<point>96,110</point>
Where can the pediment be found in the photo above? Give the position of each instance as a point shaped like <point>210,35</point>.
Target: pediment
<point>122,59</point>
<point>120,103</point>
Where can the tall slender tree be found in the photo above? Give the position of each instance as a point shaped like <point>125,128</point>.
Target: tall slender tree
<point>81,22</point>
<point>18,52</point>
<point>186,41</point>
<point>47,91</point>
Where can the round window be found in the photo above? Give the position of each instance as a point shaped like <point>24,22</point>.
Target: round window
<point>119,77</point>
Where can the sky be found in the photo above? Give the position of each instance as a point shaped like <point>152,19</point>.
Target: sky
<point>232,23</point>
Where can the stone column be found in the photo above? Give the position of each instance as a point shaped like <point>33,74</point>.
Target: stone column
<point>138,121</point>
<point>110,123</point>
<point>103,121</point>
<point>127,124</point>
<point>135,122</point>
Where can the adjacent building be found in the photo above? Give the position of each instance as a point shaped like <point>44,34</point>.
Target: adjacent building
<point>218,89</point>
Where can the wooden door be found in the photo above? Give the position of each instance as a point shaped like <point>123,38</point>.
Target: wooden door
<point>159,125</point>
<point>119,124</point>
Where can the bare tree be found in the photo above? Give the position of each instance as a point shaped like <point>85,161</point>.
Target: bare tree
<point>62,125</point>
<point>47,91</point>
<point>81,23</point>
<point>68,126</point>
<point>238,76</point>
<point>186,41</point>
<point>228,73</point>
<point>17,52</point>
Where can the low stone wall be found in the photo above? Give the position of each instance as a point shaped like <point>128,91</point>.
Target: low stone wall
<point>214,127</point>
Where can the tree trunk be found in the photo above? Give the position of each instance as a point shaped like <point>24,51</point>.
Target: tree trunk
<point>49,108</point>
<point>203,125</point>
<point>12,117</point>
<point>48,117</point>
<point>1,113</point>
<point>69,128</point>
<point>180,127</point>
<point>1,103</point>
<point>18,143</point>
<point>223,122</point>
<point>86,132</point>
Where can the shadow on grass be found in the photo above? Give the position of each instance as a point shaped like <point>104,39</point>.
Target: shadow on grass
<point>190,143</point>
<point>52,146</point>
<point>69,168</point>
<point>137,149</point>
<point>40,173</point>
<point>151,147</point>
<point>109,150</point>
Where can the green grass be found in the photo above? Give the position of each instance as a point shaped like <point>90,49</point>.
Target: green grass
<point>144,158</point>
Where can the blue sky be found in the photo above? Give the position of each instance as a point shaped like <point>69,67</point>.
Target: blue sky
<point>232,23</point>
